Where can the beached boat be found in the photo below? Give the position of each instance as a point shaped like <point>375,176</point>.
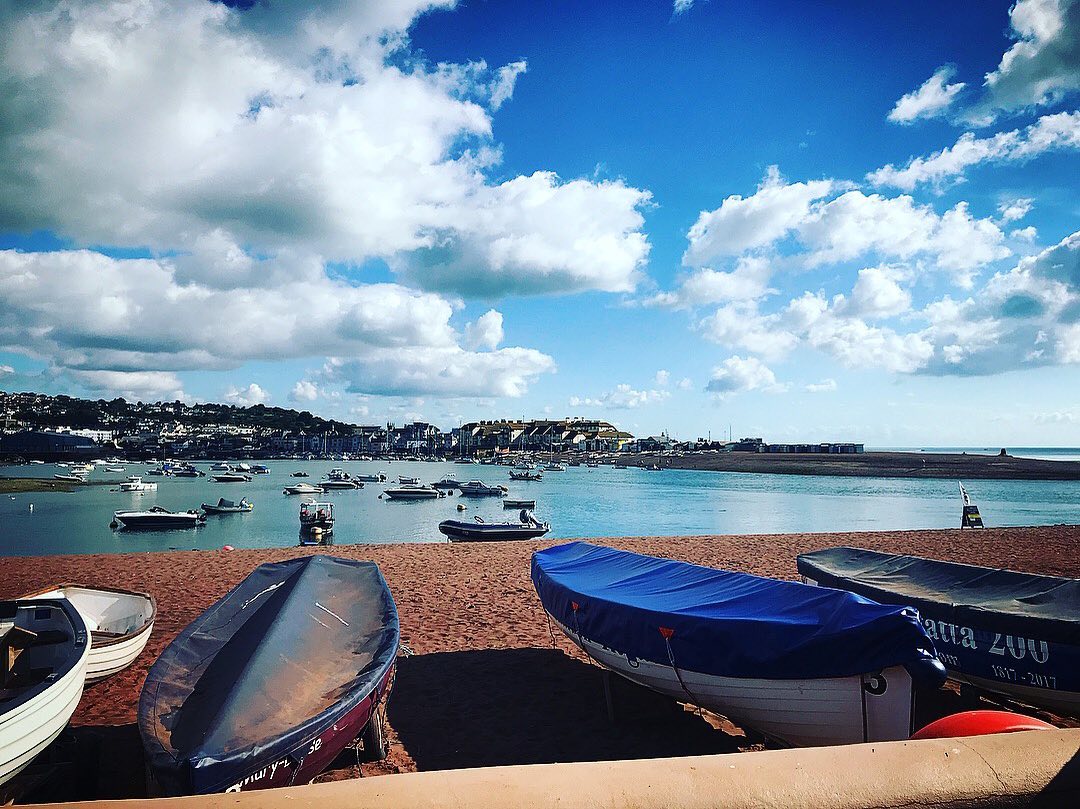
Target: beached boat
<point>270,684</point>
<point>316,518</point>
<point>529,475</point>
<point>302,488</point>
<point>801,665</point>
<point>1010,633</point>
<point>231,477</point>
<point>529,504</point>
<point>412,493</point>
<point>224,506</point>
<point>134,483</point>
<point>158,517</point>
<point>477,488</point>
<point>527,527</point>
<point>44,649</point>
<point>447,483</point>
<point>119,622</point>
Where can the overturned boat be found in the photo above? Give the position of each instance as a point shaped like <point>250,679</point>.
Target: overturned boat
<point>527,527</point>
<point>119,621</point>
<point>803,666</point>
<point>271,683</point>
<point>44,649</point>
<point>1016,634</point>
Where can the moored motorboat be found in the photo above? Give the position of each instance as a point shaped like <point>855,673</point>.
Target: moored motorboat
<point>1010,633</point>
<point>447,483</point>
<point>299,474</point>
<point>302,488</point>
<point>221,466</point>
<point>477,488</point>
<point>119,622</point>
<point>260,469</point>
<point>316,518</point>
<point>134,483</point>
<point>224,506</point>
<point>158,517</point>
<point>412,493</point>
<point>73,478</point>
<point>527,527</point>
<point>270,684</point>
<point>377,477</point>
<point>404,480</point>
<point>801,665</point>
<point>340,484</point>
<point>44,650</point>
<point>526,475</point>
<point>231,477</point>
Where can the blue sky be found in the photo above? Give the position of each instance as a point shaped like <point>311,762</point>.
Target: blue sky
<point>804,221</point>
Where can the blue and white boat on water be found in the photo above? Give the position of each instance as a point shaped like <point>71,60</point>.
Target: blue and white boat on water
<point>802,665</point>
<point>1016,634</point>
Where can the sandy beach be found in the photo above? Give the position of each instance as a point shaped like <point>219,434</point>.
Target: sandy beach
<point>486,683</point>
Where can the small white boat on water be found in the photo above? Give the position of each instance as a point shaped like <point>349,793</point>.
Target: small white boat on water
<point>114,469</point>
<point>413,493</point>
<point>134,483</point>
<point>120,623</point>
<point>158,517</point>
<point>231,477</point>
<point>378,477</point>
<point>404,480</point>
<point>44,651</point>
<point>477,488</point>
<point>221,466</point>
<point>302,488</point>
<point>805,667</point>
<point>72,478</point>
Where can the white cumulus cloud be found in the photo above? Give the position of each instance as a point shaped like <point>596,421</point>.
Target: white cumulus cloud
<point>253,394</point>
<point>304,391</point>
<point>740,374</point>
<point>486,332</point>
<point>930,100</point>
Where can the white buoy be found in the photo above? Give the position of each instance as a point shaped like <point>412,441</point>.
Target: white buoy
<point>31,508</point>
<point>460,507</point>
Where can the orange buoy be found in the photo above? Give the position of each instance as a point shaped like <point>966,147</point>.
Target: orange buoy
<point>980,723</point>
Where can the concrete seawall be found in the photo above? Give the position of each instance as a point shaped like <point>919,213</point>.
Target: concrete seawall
<point>1034,768</point>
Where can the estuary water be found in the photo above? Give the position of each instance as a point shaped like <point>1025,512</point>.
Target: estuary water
<point>579,502</point>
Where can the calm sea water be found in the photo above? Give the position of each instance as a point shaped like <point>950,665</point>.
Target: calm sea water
<point>580,502</point>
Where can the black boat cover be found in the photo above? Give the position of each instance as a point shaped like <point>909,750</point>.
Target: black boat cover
<point>285,652</point>
<point>1023,604</point>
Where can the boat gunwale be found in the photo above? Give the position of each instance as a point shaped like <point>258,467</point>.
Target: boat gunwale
<point>110,641</point>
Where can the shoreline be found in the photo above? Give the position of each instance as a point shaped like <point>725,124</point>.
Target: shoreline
<point>487,683</point>
<point>955,466</point>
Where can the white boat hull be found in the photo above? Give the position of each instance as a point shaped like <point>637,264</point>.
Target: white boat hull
<point>130,616</point>
<point>30,728</point>
<point>873,707</point>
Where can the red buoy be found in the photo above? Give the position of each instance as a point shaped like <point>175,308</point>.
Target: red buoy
<point>980,723</point>
<point>226,547</point>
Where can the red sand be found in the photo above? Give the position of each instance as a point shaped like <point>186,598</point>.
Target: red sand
<point>485,685</point>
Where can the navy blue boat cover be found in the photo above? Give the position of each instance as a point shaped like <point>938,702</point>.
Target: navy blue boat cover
<point>283,654</point>
<point>723,623</point>
<point>1022,604</point>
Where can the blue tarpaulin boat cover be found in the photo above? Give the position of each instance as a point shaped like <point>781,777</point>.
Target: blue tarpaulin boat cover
<point>1045,607</point>
<point>287,651</point>
<point>723,623</point>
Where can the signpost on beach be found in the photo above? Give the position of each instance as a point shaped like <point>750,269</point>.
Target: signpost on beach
<point>970,517</point>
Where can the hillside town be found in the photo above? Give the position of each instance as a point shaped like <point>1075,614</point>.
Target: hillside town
<point>38,425</point>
